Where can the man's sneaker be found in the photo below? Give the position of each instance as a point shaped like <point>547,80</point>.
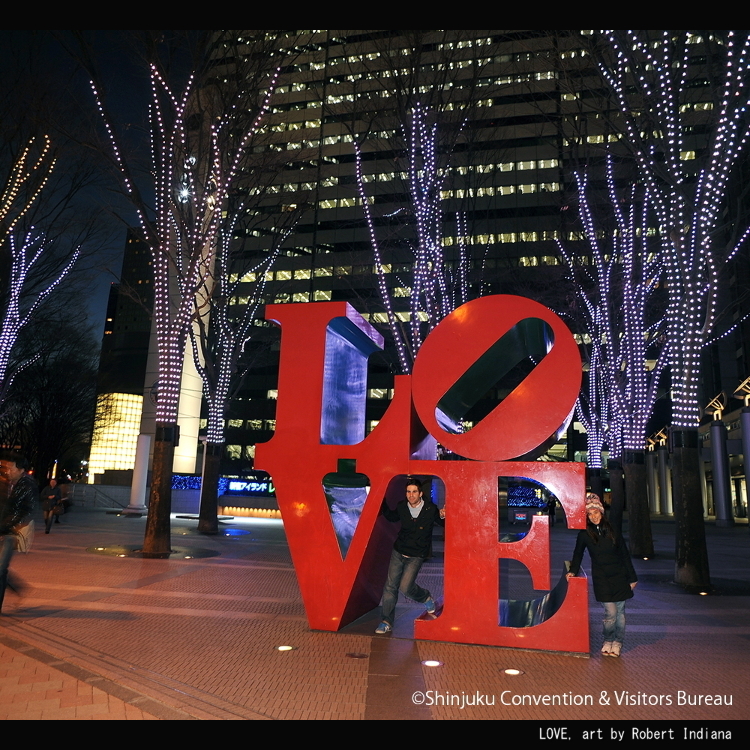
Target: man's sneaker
<point>615,650</point>
<point>383,628</point>
<point>430,606</point>
<point>606,648</point>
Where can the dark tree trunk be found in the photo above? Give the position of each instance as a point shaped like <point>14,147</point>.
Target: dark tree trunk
<point>691,554</point>
<point>208,522</point>
<point>639,517</point>
<point>617,486</point>
<point>157,542</point>
<point>596,484</point>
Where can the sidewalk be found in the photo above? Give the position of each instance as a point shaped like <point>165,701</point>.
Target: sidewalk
<point>196,637</point>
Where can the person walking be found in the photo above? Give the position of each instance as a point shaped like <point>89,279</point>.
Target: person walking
<point>16,525</point>
<point>52,504</point>
<point>612,570</point>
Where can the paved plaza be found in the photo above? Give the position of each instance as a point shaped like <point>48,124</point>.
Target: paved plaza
<point>97,636</point>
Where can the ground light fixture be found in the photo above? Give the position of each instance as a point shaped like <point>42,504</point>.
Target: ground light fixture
<point>432,663</point>
<point>513,672</point>
<point>286,648</point>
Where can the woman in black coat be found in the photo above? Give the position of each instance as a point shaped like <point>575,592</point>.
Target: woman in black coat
<point>611,568</point>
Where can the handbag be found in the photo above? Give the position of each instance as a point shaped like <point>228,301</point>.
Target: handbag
<point>24,536</point>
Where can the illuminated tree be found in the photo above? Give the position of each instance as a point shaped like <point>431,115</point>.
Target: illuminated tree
<point>201,135</point>
<point>684,120</point>
<point>224,325</point>
<point>405,98</point>
<point>625,326</point>
<point>28,277</point>
<point>436,286</point>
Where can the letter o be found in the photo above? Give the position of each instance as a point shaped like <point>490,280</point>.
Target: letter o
<point>457,359</point>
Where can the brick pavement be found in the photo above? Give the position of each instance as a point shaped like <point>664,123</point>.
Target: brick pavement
<point>196,637</point>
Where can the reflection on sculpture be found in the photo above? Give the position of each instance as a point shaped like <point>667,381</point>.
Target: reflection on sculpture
<point>341,567</point>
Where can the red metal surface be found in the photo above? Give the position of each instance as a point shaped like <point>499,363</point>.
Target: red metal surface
<point>336,591</point>
<point>533,412</point>
<point>472,550</point>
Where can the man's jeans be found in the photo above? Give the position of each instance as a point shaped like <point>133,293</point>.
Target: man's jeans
<point>614,621</point>
<point>402,574</point>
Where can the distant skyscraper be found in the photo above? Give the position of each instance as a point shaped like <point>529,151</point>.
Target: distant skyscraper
<point>122,364</point>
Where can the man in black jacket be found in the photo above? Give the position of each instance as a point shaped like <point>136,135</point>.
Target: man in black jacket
<point>412,547</point>
<point>15,517</point>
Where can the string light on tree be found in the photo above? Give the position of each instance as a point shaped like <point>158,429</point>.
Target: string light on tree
<point>26,250</point>
<point>198,149</point>
<point>650,78</point>
<point>624,324</point>
<point>435,288</point>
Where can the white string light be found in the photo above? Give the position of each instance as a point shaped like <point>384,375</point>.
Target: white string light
<point>25,251</point>
<point>192,188</point>
<point>616,297</point>
<point>435,290</point>
<point>649,82</point>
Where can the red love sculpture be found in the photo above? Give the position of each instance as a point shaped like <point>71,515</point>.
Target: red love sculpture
<point>330,480</point>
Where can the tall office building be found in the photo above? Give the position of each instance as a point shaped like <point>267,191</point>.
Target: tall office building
<point>516,113</point>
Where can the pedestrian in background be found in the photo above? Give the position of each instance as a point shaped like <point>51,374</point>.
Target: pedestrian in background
<point>52,504</point>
